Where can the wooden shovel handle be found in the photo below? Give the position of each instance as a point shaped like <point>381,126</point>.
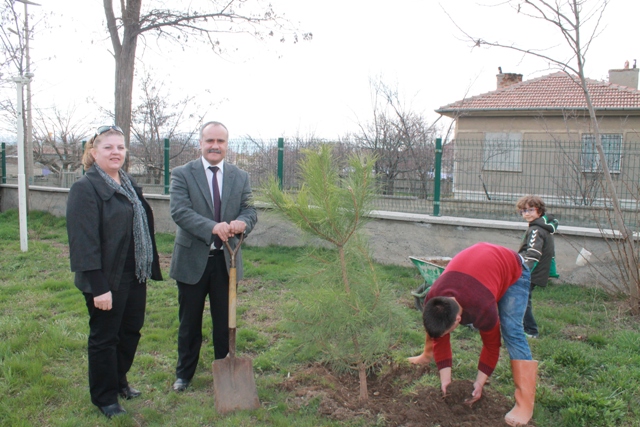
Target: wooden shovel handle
<point>233,252</point>
<point>232,298</point>
<point>233,294</point>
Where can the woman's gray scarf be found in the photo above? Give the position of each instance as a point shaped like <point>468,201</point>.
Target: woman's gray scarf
<point>141,236</point>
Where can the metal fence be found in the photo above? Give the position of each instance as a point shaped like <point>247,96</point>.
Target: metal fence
<point>489,177</point>
<point>477,179</point>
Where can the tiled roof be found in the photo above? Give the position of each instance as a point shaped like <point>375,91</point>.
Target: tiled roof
<point>557,91</point>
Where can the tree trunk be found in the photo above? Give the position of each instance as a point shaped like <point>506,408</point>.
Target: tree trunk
<point>125,56</point>
<point>343,265</point>
<point>125,65</point>
<point>630,263</point>
<point>362,374</point>
<point>28,153</point>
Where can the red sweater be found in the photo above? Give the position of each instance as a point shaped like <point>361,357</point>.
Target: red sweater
<point>477,278</point>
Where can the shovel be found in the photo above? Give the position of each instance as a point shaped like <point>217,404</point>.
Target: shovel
<point>234,387</point>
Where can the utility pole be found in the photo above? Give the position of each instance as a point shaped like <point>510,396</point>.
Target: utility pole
<point>28,116</point>
<point>22,190</point>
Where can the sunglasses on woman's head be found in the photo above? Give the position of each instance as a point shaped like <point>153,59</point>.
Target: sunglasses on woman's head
<point>103,129</point>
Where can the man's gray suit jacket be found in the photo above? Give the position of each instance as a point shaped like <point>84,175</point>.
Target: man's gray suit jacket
<point>192,210</point>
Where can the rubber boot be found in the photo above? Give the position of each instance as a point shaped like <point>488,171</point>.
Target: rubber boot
<point>525,373</point>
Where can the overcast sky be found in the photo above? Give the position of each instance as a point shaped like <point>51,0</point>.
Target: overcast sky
<point>319,87</point>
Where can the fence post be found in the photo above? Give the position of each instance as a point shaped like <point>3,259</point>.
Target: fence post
<point>167,147</point>
<point>82,156</point>
<point>281,162</point>
<point>436,178</point>
<point>4,163</point>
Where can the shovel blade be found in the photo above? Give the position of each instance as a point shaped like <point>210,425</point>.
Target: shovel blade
<point>234,386</point>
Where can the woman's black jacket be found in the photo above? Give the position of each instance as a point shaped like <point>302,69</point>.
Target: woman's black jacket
<point>99,226</point>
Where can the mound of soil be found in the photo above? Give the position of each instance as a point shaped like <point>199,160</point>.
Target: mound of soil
<point>390,402</point>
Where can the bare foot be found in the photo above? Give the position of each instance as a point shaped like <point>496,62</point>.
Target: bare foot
<point>419,360</point>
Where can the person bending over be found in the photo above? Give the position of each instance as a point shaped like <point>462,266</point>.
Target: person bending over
<point>488,286</point>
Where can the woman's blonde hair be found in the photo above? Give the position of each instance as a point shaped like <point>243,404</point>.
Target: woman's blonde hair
<point>87,158</point>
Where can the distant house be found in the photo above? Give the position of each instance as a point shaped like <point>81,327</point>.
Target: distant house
<point>529,134</point>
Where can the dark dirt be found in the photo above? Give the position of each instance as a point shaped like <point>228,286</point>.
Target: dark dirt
<point>389,400</point>
<point>436,261</point>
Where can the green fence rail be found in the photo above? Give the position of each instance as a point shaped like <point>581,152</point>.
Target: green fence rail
<point>3,164</point>
<point>465,178</point>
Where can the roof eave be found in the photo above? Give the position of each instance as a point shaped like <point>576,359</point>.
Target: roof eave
<point>458,112</point>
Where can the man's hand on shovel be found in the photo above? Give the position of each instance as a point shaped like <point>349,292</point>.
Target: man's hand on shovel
<point>227,230</point>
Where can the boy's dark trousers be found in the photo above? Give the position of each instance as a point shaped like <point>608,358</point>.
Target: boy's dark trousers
<point>529,322</point>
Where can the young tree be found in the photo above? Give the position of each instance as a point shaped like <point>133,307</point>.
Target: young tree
<point>571,19</point>
<point>214,17</point>
<point>343,309</point>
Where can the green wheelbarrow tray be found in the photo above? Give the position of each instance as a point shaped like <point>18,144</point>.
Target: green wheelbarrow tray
<point>430,269</point>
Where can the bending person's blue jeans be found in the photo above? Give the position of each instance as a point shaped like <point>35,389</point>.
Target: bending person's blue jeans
<point>511,309</point>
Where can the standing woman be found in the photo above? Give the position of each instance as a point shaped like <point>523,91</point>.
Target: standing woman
<point>113,252</point>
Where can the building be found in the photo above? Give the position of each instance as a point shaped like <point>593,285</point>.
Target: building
<point>537,136</point>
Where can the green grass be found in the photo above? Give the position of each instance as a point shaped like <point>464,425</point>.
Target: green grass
<point>589,348</point>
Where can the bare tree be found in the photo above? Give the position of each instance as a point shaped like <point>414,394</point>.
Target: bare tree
<point>422,151</point>
<point>570,18</point>
<point>396,135</point>
<point>155,119</point>
<point>12,41</point>
<point>573,186</point>
<point>215,17</point>
<point>14,60</point>
<point>15,34</point>
<point>58,140</point>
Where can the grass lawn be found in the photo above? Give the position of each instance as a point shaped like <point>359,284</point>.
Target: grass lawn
<point>589,349</point>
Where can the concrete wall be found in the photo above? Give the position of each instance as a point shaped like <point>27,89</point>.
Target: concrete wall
<point>393,236</point>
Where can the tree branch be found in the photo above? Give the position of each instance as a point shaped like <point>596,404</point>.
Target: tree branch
<point>112,25</point>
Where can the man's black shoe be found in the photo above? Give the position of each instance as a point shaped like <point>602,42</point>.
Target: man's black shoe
<point>129,392</point>
<point>181,384</point>
<point>112,410</point>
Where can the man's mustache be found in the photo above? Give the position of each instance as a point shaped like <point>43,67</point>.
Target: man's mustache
<point>214,150</point>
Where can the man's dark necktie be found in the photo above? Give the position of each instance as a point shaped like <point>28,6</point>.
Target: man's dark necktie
<point>216,204</point>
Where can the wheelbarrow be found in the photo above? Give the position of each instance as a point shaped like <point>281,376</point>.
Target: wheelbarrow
<point>430,269</point>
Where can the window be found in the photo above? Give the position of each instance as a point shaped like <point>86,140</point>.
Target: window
<point>612,147</point>
<point>502,151</point>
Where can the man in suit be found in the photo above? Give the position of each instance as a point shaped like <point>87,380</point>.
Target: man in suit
<point>210,203</point>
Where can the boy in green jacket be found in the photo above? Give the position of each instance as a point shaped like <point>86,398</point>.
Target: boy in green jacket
<point>538,250</point>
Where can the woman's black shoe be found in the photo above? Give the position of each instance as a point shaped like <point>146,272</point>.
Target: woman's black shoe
<point>112,410</point>
<point>129,392</point>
